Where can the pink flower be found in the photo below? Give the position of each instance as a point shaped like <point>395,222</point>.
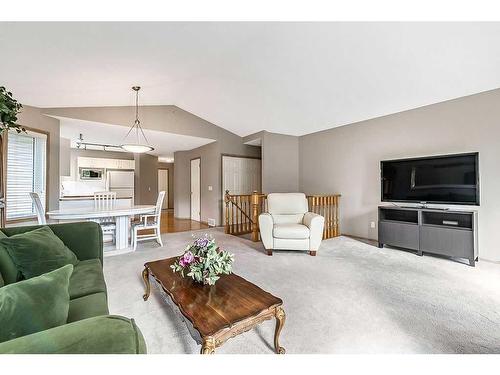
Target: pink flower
<point>186,259</point>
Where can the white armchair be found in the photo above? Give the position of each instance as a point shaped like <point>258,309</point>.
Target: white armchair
<point>289,226</point>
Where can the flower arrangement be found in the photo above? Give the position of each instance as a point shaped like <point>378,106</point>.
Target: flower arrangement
<point>204,261</point>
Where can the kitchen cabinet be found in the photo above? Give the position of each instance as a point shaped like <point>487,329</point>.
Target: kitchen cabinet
<point>86,162</point>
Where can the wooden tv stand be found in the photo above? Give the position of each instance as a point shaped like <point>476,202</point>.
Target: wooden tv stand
<point>451,233</point>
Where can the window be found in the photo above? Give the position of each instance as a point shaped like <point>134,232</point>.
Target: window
<point>26,172</point>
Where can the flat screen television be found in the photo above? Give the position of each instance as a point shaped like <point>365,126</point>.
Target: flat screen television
<point>446,179</point>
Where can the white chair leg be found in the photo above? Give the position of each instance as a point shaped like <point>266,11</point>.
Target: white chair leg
<point>135,238</point>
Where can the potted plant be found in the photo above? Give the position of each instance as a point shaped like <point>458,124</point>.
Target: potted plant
<point>9,109</point>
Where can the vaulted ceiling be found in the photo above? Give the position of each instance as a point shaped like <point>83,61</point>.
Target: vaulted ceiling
<point>291,78</point>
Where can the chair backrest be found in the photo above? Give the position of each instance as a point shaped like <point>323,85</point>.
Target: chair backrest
<point>287,207</point>
<point>159,202</point>
<point>104,199</point>
<point>40,212</point>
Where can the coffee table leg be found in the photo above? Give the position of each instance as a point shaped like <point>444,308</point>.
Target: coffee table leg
<point>145,277</point>
<point>208,346</point>
<point>280,321</point>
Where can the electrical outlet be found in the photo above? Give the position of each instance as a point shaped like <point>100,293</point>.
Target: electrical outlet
<point>210,188</point>
<point>211,222</point>
<point>372,224</point>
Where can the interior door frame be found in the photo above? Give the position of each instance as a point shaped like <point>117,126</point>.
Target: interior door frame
<point>190,195</point>
<point>222,192</point>
<point>47,171</point>
<point>168,185</point>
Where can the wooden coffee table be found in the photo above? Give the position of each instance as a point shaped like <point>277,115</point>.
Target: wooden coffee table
<point>215,313</point>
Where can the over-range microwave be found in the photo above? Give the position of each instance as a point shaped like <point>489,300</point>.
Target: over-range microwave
<point>91,173</point>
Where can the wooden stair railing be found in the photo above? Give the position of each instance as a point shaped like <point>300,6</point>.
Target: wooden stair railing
<point>243,210</point>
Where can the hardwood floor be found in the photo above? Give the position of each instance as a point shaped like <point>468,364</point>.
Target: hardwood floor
<point>169,224</point>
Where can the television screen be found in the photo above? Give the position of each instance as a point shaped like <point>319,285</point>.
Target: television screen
<point>452,179</point>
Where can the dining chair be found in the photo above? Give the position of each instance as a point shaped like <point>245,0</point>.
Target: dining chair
<point>40,212</point>
<point>106,200</point>
<point>150,221</point>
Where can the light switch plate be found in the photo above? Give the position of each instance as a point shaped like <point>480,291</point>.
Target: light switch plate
<point>372,224</point>
<point>210,188</point>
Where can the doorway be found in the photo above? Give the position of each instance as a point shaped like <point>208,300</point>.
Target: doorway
<point>240,175</point>
<point>196,189</point>
<point>163,186</point>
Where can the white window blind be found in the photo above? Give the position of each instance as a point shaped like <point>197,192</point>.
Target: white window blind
<point>26,172</point>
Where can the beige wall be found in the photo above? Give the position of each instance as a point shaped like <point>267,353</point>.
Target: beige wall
<point>280,163</point>
<point>33,118</point>
<point>346,160</point>
<point>171,194</point>
<point>145,179</point>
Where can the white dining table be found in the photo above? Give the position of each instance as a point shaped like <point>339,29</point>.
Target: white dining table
<point>121,215</point>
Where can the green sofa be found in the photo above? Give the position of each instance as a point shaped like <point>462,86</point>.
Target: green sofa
<point>89,329</point>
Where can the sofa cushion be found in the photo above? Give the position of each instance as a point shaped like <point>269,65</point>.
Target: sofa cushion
<point>38,251</point>
<point>2,283</point>
<point>290,231</point>
<point>34,305</point>
<point>87,307</point>
<point>87,278</point>
<point>8,269</point>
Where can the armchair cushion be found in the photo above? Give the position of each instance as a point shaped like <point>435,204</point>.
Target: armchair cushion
<point>287,207</point>
<point>291,231</point>
<point>287,203</point>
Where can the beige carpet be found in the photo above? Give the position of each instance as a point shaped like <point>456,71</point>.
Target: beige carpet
<point>351,298</point>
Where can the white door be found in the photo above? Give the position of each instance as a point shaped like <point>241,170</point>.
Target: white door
<point>195,189</point>
<point>163,185</point>
<point>240,176</point>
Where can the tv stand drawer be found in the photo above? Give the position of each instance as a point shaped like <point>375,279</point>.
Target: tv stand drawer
<point>447,241</point>
<point>399,234</point>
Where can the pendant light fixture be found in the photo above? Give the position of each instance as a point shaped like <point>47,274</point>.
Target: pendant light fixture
<point>137,147</point>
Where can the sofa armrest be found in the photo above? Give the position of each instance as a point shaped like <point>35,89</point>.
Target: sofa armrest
<point>108,334</point>
<point>83,238</point>
<point>315,223</point>
<point>266,225</point>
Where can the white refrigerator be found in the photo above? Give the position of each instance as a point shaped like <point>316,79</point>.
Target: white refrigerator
<point>121,182</point>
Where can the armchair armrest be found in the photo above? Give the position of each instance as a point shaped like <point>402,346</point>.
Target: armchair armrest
<point>315,223</point>
<point>99,335</point>
<point>266,224</point>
